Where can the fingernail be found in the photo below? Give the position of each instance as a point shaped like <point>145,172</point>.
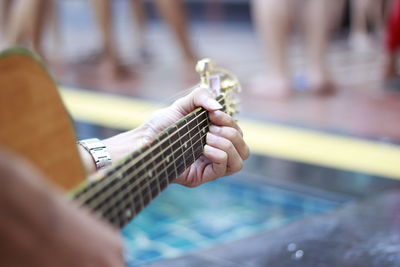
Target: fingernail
<point>214,129</point>
<point>213,104</point>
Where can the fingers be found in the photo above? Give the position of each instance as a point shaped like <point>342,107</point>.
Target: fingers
<point>234,161</point>
<point>219,160</point>
<point>200,97</point>
<point>222,119</point>
<point>234,136</point>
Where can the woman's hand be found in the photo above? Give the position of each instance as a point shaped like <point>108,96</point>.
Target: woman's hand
<point>225,149</point>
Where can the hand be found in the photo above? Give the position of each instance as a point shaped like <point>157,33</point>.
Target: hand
<point>38,227</point>
<point>225,149</point>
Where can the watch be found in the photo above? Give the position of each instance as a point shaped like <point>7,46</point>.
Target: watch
<point>98,151</point>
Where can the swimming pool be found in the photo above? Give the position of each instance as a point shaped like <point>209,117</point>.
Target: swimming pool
<point>182,219</point>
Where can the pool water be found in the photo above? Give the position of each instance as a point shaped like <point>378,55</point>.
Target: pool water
<point>183,219</point>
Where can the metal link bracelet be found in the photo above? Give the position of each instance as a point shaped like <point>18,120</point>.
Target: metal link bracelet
<point>98,151</point>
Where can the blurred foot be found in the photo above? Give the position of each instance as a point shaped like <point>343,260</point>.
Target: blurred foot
<point>392,83</point>
<point>321,83</point>
<point>361,42</point>
<point>114,70</point>
<point>272,87</point>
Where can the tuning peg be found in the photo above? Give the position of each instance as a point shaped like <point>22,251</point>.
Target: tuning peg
<point>234,102</point>
<point>228,85</point>
<point>204,68</point>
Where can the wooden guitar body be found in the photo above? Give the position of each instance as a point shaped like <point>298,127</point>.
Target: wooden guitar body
<point>33,120</point>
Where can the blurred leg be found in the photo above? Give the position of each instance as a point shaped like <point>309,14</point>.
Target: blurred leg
<point>376,12</point>
<point>40,21</point>
<point>140,19</point>
<point>28,20</point>
<point>21,15</point>
<point>174,14</point>
<point>392,42</point>
<point>359,24</point>
<point>272,20</point>
<point>318,29</point>
<point>110,66</point>
<point>5,7</point>
<point>104,18</point>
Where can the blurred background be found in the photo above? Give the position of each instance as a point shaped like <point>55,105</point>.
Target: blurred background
<point>320,109</point>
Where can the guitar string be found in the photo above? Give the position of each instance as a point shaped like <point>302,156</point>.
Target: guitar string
<point>125,211</point>
<point>137,182</point>
<point>151,180</point>
<point>131,162</point>
<point>113,189</point>
<point>123,205</point>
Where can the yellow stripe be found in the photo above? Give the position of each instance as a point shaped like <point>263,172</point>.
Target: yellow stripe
<point>263,138</point>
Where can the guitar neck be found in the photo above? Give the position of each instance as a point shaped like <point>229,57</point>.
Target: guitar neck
<point>130,185</point>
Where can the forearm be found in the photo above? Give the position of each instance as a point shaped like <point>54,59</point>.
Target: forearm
<point>118,146</point>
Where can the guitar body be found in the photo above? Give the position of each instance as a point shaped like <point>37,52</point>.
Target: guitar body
<point>33,120</point>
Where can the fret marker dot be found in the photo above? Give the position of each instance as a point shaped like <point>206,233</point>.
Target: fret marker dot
<point>128,213</point>
<point>150,173</point>
<point>186,145</point>
<point>168,159</point>
<point>204,130</point>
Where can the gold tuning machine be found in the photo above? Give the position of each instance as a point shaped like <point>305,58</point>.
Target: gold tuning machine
<point>204,68</point>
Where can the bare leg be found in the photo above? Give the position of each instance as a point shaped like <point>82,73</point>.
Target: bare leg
<point>110,64</point>
<point>318,27</point>
<point>376,12</point>
<point>173,12</point>
<point>272,19</point>
<point>5,6</point>
<point>21,16</point>
<point>359,38</point>
<point>104,18</point>
<point>139,16</point>
<point>41,13</point>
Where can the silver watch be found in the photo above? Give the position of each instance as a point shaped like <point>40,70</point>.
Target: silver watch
<point>98,150</point>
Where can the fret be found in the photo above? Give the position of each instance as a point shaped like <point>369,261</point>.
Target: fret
<point>132,184</point>
<point>151,173</point>
<point>177,150</point>
<point>190,128</point>
<point>185,143</point>
<point>197,124</point>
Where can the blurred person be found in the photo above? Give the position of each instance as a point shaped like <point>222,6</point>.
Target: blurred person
<point>365,13</point>
<point>172,12</point>
<point>392,46</point>
<point>273,19</point>
<point>42,228</point>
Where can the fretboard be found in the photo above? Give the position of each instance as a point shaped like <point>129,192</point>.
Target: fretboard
<point>131,184</point>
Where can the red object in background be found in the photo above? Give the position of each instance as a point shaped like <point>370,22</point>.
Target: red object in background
<point>393,28</point>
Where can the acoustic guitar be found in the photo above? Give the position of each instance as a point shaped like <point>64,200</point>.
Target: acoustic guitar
<point>35,124</point>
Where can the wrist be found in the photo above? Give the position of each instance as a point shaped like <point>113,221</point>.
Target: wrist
<point>121,145</point>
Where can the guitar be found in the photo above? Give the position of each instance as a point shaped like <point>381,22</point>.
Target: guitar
<point>35,124</point>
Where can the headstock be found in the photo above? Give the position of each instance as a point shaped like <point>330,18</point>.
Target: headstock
<point>220,82</point>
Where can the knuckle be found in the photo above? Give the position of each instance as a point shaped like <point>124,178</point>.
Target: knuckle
<point>226,144</point>
<point>224,156</point>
